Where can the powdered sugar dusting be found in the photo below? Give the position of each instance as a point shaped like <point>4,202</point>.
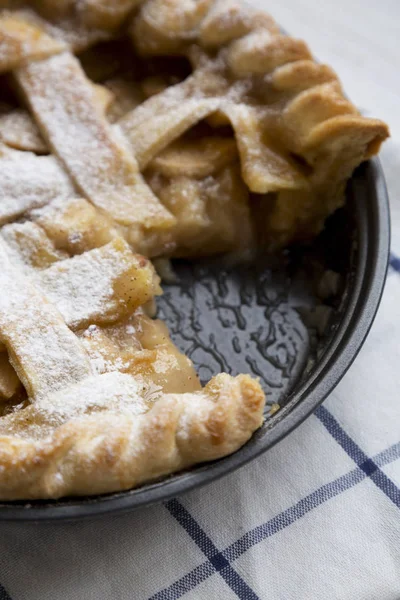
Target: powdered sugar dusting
<point>148,135</point>
<point>18,130</point>
<point>23,39</point>
<point>230,19</point>
<point>63,102</point>
<point>28,181</point>
<point>82,287</point>
<point>115,393</point>
<point>45,353</point>
<point>110,391</point>
<point>167,100</point>
<point>74,34</point>
<point>27,243</point>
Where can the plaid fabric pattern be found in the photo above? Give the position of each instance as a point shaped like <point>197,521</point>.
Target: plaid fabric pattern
<point>318,514</point>
<point>315,517</point>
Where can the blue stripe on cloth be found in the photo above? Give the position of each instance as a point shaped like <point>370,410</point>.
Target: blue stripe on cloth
<point>369,466</point>
<point>388,456</point>
<point>3,594</point>
<point>394,262</point>
<point>276,524</point>
<point>215,558</point>
<point>185,583</point>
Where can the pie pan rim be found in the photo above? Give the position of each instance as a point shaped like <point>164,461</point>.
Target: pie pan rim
<point>371,208</point>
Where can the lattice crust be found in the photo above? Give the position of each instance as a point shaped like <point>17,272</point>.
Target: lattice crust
<point>22,41</point>
<point>62,101</point>
<point>292,124</point>
<point>107,446</point>
<point>120,365</point>
<point>157,128</point>
<point>28,181</point>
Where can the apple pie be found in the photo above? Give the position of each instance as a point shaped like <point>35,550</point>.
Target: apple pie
<point>130,131</point>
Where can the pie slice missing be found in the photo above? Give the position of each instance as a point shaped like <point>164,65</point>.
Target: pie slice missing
<point>136,130</point>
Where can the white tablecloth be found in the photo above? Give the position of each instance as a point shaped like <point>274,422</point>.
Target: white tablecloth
<point>319,515</point>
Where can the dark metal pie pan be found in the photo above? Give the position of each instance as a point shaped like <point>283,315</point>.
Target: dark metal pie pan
<point>252,320</point>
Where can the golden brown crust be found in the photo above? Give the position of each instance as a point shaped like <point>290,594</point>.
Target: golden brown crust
<point>24,40</point>
<point>242,61</point>
<point>110,451</point>
<point>279,140</point>
<point>291,105</point>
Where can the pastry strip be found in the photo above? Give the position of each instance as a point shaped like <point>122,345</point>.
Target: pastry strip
<point>46,355</point>
<point>19,131</point>
<point>263,169</point>
<point>62,101</point>
<point>101,285</point>
<point>114,450</point>
<point>149,136</point>
<point>22,41</point>
<point>28,181</point>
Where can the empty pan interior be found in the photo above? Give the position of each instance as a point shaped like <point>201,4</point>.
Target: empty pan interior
<point>266,320</point>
